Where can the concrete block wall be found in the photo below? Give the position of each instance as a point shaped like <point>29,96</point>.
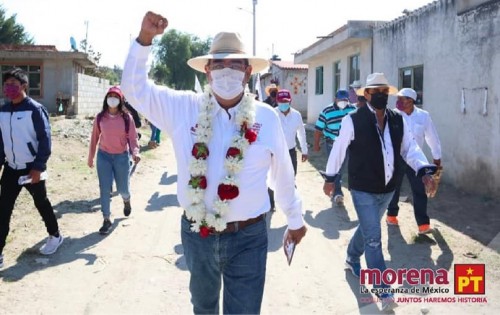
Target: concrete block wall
<point>90,92</point>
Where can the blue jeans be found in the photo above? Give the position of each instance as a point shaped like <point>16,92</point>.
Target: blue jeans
<point>338,179</point>
<point>419,197</point>
<point>111,166</point>
<point>237,259</point>
<point>367,238</point>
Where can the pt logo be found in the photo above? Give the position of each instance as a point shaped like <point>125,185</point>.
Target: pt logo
<point>469,279</point>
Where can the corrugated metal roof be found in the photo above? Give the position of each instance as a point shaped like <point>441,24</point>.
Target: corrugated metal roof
<point>289,65</point>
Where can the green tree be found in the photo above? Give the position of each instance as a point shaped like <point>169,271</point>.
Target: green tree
<point>11,32</point>
<point>172,52</point>
<point>113,75</point>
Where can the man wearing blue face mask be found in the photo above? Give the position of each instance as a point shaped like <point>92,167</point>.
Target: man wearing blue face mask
<point>328,127</point>
<point>227,146</point>
<point>291,122</point>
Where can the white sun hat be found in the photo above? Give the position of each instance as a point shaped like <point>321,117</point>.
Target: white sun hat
<point>376,80</point>
<point>228,45</point>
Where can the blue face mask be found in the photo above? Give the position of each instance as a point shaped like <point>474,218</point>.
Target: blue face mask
<point>284,106</point>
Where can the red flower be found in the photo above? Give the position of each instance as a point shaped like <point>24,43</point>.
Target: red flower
<point>233,152</point>
<point>200,151</point>
<point>250,135</point>
<point>204,231</point>
<point>227,192</point>
<point>198,182</point>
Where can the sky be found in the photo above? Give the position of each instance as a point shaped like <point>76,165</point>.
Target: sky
<point>283,27</point>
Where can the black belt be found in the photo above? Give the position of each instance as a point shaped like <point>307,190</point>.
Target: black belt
<point>232,227</point>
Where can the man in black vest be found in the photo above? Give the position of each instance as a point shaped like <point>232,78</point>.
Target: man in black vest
<point>378,140</point>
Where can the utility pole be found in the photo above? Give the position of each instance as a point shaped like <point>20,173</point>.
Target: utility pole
<point>254,46</point>
<point>86,35</point>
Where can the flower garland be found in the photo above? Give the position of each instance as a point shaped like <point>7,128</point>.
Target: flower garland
<point>204,221</point>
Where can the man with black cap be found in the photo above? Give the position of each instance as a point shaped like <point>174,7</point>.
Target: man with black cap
<point>226,144</point>
<point>378,140</point>
<point>328,126</point>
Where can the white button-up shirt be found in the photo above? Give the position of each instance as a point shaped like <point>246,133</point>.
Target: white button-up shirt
<point>176,112</point>
<point>410,151</point>
<point>292,125</point>
<point>422,128</point>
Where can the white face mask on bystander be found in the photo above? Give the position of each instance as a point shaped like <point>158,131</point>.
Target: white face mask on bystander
<point>113,101</point>
<point>342,104</point>
<point>227,83</point>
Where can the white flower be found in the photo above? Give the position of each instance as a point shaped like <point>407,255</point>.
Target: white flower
<point>219,225</point>
<point>221,207</point>
<point>233,165</point>
<point>196,212</point>
<point>210,218</point>
<point>230,180</point>
<point>198,167</point>
<point>195,227</point>
<point>240,143</point>
<point>196,195</point>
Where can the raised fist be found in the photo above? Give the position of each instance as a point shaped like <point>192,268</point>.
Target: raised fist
<point>153,24</point>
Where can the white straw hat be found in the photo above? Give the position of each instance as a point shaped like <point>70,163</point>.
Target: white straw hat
<point>228,45</point>
<point>376,80</point>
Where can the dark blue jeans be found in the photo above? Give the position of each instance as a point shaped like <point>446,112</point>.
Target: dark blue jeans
<point>367,238</point>
<point>419,197</point>
<point>238,260</point>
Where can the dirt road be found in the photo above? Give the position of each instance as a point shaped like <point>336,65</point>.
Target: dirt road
<point>139,268</point>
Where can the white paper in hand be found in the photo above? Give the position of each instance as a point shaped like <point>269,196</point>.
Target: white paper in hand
<point>289,247</point>
<point>26,179</point>
<point>289,250</point>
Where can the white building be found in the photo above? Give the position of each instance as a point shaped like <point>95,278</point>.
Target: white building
<point>289,76</point>
<point>449,51</point>
<point>335,61</point>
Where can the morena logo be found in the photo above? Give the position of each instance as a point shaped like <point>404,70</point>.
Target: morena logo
<point>411,276</point>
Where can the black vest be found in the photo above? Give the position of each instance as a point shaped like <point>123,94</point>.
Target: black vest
<point>366,162</point>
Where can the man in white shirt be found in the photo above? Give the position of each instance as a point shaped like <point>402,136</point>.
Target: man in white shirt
<point>291,122</point>
<point>420,123</point>
<point>376,138</point>
<point>225,144</point>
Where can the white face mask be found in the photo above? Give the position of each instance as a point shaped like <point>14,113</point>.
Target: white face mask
<point>227,83</point>
<point>342,104</point>
<point>113,101</point>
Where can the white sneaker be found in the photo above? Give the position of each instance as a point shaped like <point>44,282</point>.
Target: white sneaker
<point>339,200</point>
<point>51,245</point>
<point>1,261</point>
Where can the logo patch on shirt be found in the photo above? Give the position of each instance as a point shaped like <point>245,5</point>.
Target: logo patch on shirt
<point>256,127</point>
